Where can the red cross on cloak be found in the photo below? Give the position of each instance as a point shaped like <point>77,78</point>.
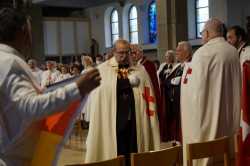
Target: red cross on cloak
<point>189,72</point>
<point>148,99</point>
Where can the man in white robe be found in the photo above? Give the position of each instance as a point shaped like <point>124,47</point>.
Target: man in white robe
<point>35,70</point>
<point>101,109</point>
<point>49,76</point>
<point>22,103</point>
<point>210,91</point>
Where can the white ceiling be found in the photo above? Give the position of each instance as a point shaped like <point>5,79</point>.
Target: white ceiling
<point>72,3</point>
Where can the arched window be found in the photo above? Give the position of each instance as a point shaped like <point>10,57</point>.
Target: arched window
<point>133,25</point>
<point>152,19</point>
<point>114,26</point>
<point>202,15</point>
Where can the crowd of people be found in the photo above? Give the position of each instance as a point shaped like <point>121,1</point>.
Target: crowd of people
<point>55,72</point>
<point>133,105</point>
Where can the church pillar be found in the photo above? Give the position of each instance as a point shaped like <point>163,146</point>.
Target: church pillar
<point>172,24</point>
<point>37,51</point>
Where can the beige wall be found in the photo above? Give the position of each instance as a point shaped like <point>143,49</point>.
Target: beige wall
<point>97,19</point>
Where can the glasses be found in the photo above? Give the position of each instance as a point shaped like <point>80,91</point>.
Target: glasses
<point>202,31</point>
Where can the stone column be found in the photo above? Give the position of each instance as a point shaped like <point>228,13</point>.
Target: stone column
<point>37,51</point>
<point>172,24</point>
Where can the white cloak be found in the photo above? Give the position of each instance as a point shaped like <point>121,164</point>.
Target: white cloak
<point>38,74</point>
<point>49,77</point>
<point>210,94</point>
<point>101,109</point>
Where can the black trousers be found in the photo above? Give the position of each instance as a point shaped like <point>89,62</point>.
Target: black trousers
<point>127,142</point>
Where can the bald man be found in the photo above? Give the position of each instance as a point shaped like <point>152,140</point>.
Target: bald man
<point>35,70</point>
<point>210,91</point>
<point>122,111</point>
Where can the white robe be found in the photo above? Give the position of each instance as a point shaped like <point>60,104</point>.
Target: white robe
<point>210,94</point>
<point>101,109</point>
<point>22,106</point>
<point>49,77</point>
<point>38,74</point>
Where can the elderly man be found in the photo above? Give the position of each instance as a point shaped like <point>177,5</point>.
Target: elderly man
<point>35,70</point>
<point>22,103</point>
<point>122,111</point>
<point>210,90</point>
<point>170,88</point>
<point>236,36</point>
<point>49,76</point>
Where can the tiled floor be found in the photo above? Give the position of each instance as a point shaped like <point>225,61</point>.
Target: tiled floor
<point>74,151</point>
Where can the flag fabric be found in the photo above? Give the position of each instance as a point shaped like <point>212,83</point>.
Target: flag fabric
<point>244,143</point>
<point>55,131</point>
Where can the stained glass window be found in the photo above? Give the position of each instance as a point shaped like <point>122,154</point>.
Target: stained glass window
<point>152,15</point>
<point>114,26</point>
<point>202,15</point>
<point>133,25</point>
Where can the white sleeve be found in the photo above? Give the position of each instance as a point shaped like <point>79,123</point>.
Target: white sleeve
<point>245,56</point>
<point>32,105</point>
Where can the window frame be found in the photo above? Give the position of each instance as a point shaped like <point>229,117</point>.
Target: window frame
<point>111,23</point>
<point>130,32</point>
<point>197,34</point>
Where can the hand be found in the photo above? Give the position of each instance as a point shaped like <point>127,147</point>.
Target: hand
<point>88,81</point>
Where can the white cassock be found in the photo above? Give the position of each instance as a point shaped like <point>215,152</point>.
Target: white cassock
<point>100,109</point>
<point>210,94</point>
<point>22,106</point>
<point>38,74</point>
<point>49,77</point>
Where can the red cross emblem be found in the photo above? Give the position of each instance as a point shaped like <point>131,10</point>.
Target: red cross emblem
<point>189,71</point>
<point>148,99</point>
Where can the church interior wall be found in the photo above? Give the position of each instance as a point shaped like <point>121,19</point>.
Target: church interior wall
<point>237,12</point>
<point>97,18</point>
<point>230,11</point>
